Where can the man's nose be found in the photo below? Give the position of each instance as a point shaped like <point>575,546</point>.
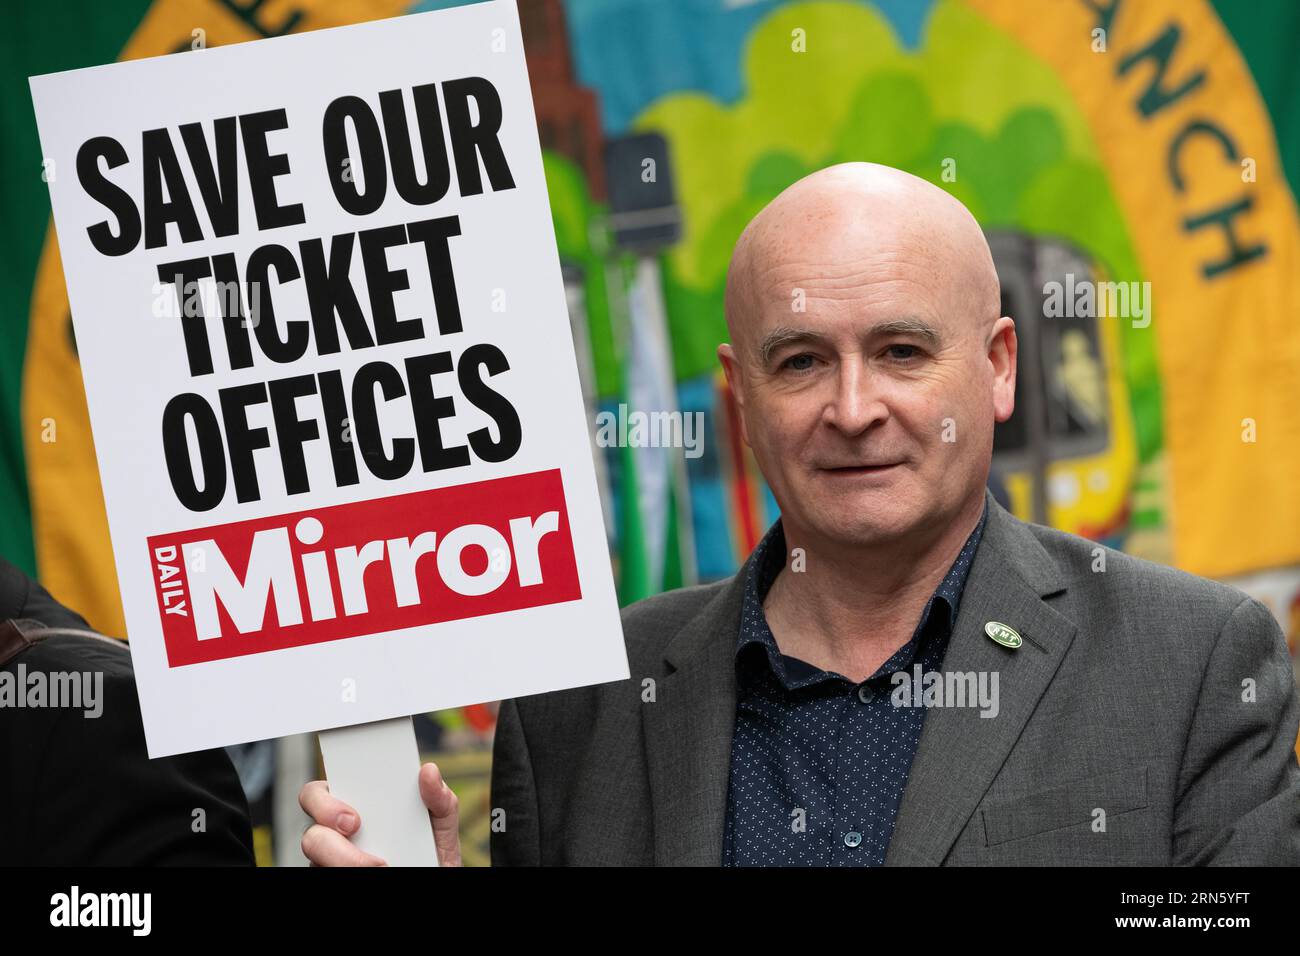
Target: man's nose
<point>856,404</point>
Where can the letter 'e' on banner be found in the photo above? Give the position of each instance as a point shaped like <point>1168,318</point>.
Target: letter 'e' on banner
<point>321,321</point>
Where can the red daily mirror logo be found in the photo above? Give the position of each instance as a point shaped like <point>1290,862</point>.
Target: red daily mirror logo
<point>364,568</point>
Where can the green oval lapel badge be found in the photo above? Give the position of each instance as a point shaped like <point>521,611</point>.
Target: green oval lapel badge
<point>1002,634</point>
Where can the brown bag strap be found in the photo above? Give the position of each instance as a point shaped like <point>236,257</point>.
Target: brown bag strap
<point>19,634</point>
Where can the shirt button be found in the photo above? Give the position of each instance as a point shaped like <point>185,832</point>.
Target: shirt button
<point>852,838</point>
<point>866,694</point>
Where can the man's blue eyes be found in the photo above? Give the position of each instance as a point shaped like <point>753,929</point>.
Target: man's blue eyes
<point>803,361</point>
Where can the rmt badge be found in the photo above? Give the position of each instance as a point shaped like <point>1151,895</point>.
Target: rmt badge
<point>1002,634</point>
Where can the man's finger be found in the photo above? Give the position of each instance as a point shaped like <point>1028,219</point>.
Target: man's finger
<point>444,814</point>
<point>326,809</point>
<point>326,847</point>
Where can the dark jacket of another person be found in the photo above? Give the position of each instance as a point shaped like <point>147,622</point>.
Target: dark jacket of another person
<point>79,790</point>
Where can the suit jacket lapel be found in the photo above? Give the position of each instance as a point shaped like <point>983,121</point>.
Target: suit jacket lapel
<point>960,752</point>
<point>688,731</point>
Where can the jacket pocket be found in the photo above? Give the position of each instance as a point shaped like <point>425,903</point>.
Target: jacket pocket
<point>1065,806</point>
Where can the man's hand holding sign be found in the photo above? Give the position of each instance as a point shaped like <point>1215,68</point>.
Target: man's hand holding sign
<point>322,326</point>
<point>326,842</point>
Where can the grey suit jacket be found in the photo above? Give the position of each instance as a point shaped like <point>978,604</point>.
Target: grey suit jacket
<point>1165,700</point>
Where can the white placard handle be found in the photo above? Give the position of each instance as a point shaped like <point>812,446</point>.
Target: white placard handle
<point>374,768</point>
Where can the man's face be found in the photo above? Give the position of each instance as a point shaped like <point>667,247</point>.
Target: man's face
<point>868,389</point>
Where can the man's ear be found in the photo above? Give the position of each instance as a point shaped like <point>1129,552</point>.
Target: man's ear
<point>735,383</point>
<point>1002,356</point>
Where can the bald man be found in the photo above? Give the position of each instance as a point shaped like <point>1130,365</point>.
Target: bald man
<point>902,672</point>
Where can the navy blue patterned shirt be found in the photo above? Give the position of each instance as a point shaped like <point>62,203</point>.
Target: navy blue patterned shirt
<point>818,763</point>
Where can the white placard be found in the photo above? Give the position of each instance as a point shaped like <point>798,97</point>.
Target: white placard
<point>361,487</point>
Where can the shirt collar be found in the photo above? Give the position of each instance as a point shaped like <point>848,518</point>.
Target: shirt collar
<point>770,557</point>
